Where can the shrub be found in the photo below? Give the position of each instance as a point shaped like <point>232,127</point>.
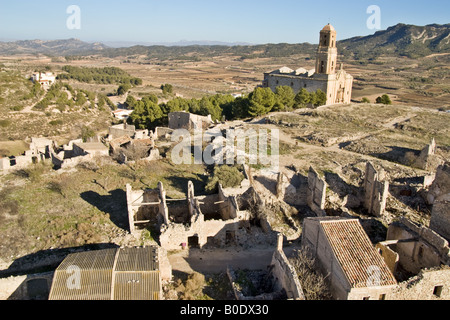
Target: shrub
<point>193,288</point>
<point>5,123</point>
<point>87,133</point>
<point>16,108</point>
<point>56,122</point>
<point>312,282</point>
<point>226,175</point>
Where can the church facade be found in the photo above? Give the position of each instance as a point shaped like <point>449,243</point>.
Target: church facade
<point>327,75</point>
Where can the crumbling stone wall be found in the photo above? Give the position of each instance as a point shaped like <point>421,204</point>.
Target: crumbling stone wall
<point>121,130</point>
<point>316,193</point>
<point>439,196</point>
<point>188,121</point>
<point>390,257</point>
<point>429,284</point>
<point>162,133</point>
<point>228,205</point>
<point>284,274</point>
<point>418,247</point>
<point>427,159</point>
<point>375,191</point>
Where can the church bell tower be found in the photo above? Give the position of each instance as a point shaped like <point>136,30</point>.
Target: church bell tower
<point>326,60</point>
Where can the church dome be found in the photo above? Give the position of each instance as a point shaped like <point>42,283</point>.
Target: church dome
<point>328,27</point>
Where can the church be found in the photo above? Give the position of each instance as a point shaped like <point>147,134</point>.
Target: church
<point>327,76</point>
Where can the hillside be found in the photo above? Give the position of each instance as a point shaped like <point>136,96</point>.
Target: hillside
<point>400,40</point>
<point>51,48</point>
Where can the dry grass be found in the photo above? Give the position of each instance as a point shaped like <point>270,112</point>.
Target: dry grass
<point>313,283</point>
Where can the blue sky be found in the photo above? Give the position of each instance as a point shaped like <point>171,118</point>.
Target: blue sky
<point>263,21</point>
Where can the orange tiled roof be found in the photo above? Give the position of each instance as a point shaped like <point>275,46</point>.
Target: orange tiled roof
<point>356,253</point>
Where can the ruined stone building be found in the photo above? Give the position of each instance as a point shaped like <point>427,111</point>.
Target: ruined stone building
<point>38,151</point>
<point>111,274</point>
<point>188,121</point>
<point>327,75</point>
<point>420,258</point>
<point>192,222</point>
<point>281,278</point>
<point>128,144</point>
<point>76,152</point>
<point>344,252</point>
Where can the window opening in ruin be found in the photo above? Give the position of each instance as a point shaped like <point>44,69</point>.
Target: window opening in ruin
<point>35,160</point>
<point>210,241</point>
<point>438,291</point>
<point>230,237</point>
<point>420,254</point>
<point>383,296</point>
<point>366,298</point>
<point>193,242</point>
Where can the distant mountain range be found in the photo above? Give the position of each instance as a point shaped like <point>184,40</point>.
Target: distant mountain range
<point>182,43</point>
<point>399,40</point>
<point>52,47</point>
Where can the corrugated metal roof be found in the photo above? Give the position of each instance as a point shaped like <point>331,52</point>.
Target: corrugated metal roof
<point>136,286</point>
<point>359,260</point>
<point>137,259</point>
<point>119,274</point>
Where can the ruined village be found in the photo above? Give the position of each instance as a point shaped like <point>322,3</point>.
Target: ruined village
<point>342,216</point>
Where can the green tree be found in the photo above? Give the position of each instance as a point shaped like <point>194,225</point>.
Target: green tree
<point>365,100</point>
<point>240,108</point>
<point>194,106</point>
<point>262,101</point>
<point>384,99</point>
<point>175,105</point>
<point>302,99</point>
<point>123,89</point>
<point>167,89</point>
<point>207,107</point>
<point>152,97</point>
<point>130,102</point>
<point>146,115</point>
<point>285,96</point>
<point>319,98</point>
<point>80,99</point>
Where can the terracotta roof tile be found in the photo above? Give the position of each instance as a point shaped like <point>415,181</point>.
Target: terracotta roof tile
<point>356,254</point>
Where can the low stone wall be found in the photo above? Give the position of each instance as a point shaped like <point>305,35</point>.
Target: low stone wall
<point>285,276</point>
